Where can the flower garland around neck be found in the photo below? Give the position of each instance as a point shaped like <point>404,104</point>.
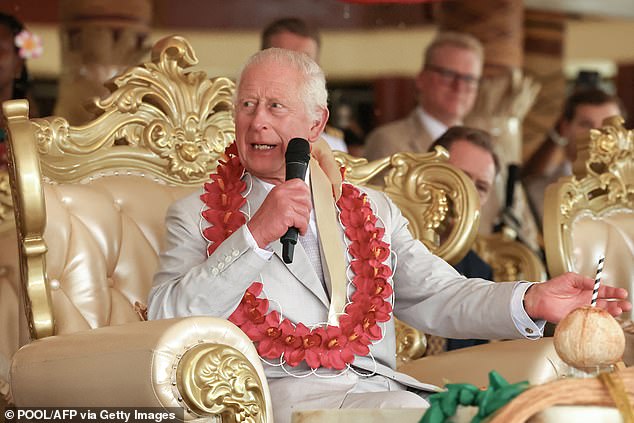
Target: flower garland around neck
<point>277,337</point>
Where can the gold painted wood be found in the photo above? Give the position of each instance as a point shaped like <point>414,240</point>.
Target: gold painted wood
<point>603,183</point>
<point>439,201</point>
<point>6,204</point>
<point>410,343</point>
<point>510,259</point>
<point>30,217</point>
<point>219,380</point>
<point>160,121</point>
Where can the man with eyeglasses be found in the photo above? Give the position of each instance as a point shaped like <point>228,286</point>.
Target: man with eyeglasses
<point>447,87</point>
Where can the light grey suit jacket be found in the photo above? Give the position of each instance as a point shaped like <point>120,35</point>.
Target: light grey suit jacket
<point>404,135</point>
<point>428,293</point>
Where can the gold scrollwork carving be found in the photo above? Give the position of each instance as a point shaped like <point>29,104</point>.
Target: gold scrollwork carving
<point>608,176</point>
<point>410,343</point>
<point>438,200</point>
<point>216,379</point>
<point>182,117</point>
<point>6,204</point>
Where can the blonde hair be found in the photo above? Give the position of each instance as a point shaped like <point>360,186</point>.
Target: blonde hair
<point>454,39</point>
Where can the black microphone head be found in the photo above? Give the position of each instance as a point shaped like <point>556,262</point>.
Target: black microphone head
<point>298,150</point>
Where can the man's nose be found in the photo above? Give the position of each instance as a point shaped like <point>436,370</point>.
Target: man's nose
<point>260,118</point>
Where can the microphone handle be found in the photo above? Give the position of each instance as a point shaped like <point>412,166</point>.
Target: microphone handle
<point>289,239</point>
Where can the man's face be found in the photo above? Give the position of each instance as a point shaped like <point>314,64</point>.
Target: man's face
<point>448,85</point>
<point>290,41</point>
<point>587,117</point>
<point>269,113</point>
<point>477,163</point>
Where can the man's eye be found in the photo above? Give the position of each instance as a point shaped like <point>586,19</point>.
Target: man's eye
<point>277,105</point>
<point>247,103</point>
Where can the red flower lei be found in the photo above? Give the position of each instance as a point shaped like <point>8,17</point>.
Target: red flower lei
<point>330,346</point>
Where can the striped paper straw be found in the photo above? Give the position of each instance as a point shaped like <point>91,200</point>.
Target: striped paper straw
<point>597,282</point>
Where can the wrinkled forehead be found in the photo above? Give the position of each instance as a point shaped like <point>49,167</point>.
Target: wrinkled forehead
<point>270,83</point>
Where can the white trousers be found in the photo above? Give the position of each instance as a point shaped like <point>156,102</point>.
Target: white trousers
<point>290,394</point>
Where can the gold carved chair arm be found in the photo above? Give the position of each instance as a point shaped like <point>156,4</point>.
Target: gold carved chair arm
<point>204,365</point>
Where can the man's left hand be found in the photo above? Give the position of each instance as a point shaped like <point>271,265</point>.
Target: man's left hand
<point>554,299</point>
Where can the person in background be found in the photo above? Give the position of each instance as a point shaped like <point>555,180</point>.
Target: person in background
<point>447,87</point>
<point>297,35</point>
<point>324,323</point>
<point>470,150</point>
<point>16,45</point>
<point>585,109</point>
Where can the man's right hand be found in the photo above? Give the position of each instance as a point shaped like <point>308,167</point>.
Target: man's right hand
<point>287,205</point>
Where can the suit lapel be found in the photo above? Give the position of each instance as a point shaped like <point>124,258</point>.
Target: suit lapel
<point>301,266</point>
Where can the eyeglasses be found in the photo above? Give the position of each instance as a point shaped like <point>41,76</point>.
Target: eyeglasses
<point>452,77</point>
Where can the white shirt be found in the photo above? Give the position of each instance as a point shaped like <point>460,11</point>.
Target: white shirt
<point>335,143</point>
<point>435,127</point>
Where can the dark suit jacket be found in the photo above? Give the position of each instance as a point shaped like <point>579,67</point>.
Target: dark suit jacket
<point>471,266</point>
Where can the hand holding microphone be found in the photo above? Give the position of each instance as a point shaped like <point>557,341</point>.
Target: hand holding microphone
<point>288,205</point>
<point>297,158</point>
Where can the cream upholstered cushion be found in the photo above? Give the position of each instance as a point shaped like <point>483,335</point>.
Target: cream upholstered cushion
<point>610,234</point>
<point>106,236</point>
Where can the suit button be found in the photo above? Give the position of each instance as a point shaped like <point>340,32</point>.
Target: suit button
<point>214,271</point>
<point>228,259</point>
<point>529,330</point>
<point>235,253</point>
<point>221,265</point>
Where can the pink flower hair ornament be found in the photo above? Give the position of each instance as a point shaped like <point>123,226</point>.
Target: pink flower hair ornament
<point>30,45</point>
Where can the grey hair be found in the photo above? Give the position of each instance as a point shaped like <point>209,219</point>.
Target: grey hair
<point>313,89</point>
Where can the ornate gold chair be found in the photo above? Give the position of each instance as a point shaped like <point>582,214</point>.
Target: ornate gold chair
<point>591,214</point>
<point>90,203</point>
<point>442,207</point>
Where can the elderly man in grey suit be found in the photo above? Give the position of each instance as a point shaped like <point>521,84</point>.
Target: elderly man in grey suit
<point>447,87</point>
<point>323,324</point>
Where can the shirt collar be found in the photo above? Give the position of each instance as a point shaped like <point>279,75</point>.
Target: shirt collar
<point>435,127</point>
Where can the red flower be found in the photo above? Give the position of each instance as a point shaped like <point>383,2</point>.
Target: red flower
<point>331,347</point>
<point>337,354</point>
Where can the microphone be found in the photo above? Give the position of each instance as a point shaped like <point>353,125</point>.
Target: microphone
<point>297,157</point>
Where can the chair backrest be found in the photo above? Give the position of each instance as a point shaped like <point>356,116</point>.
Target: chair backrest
<point>90,200</point>
<point>509,258</point>
<point>591,213</point>
<point>440,203</point>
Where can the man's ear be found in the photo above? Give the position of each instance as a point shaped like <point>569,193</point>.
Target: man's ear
<point>319,124</point>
